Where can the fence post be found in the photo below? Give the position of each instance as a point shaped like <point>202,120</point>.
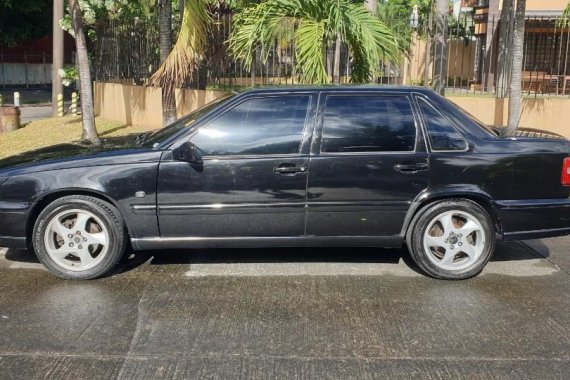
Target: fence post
<point>74,103</point>
<point>59,105</point>
<point>16,99</point>
<point>27,69</point>
<point>3,75</point>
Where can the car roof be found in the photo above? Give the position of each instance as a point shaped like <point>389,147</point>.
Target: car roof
<point>336,88</point>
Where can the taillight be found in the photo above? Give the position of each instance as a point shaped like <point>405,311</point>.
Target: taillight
<point>566,172</point>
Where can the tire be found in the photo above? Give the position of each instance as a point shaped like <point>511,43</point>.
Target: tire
<point>79,237</point>
<point>452,239</point>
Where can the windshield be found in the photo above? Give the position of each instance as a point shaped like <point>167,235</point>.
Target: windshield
<point>153,139</point>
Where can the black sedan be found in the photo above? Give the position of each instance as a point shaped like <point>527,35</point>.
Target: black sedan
<point>320,166</point>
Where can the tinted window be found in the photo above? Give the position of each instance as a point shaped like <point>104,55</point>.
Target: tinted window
<point>155,138</point>
<point>442,135</point>
<point>271,125</point>
<point>368,124</point>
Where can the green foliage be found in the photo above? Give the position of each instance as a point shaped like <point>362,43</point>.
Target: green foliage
<point>24,20</point>
<point>98,10</point>
<point>69,74</point>
<point>316,24</point>
<point>564,21</point>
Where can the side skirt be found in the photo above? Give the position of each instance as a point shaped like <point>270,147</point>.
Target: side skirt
<point>264,242</point>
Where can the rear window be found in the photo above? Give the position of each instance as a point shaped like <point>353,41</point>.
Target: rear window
<point>442,134</point>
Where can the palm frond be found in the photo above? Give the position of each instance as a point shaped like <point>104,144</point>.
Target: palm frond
<point>186,54</point>
<point>564,20</point>
<point>311,47</point>
<point>318,23</point>
<point>370,41</point>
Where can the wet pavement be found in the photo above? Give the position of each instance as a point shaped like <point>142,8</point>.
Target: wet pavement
<point>289,313</point>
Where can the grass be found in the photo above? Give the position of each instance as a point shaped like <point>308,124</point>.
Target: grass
<point>46,132</point>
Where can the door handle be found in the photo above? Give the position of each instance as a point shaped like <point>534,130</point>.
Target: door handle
<point>411,167</point>
<point>289,169</point>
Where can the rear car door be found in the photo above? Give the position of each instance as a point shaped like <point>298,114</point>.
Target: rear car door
<point>368,163</point>
<point>254,175</point>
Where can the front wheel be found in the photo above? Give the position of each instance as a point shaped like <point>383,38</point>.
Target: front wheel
<point>452,239</point>
<point>79,237</point>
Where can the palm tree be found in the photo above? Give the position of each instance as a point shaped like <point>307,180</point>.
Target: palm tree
<point>57,54</point>
<point>86,88</point>
<point>165,39</point>
<point>515,90</point>
<point>441,50</point>
<point>318,23</point>
<point>185,56</point>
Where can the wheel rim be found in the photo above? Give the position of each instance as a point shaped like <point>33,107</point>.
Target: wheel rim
<point>454,240</point>
<point>76,240</point>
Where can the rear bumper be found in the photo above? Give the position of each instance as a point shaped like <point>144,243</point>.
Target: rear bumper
<point>534,218</point>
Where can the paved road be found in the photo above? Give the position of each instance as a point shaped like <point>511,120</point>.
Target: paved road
<point>31,113</point>
<point>289,313</point>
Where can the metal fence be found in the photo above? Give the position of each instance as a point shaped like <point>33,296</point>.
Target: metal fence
<point>126,51</point>
<point>24,69</point>
<point>478,56</point>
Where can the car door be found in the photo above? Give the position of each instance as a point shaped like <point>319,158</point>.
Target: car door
<point>368,163</point>
<point>254,174</point>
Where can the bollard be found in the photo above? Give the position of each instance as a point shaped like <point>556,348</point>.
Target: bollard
<point>1,100</point>
<point>59,105</point>
<point>16,99</point>
<point>9,118</point>
<point>74,103</point>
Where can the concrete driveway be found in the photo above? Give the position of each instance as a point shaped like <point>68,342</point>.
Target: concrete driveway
<point>289,314</point>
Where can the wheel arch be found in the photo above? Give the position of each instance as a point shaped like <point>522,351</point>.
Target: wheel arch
<point>426,199</point>
<point>42,202</point>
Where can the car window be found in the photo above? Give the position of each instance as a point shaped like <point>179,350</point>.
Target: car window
<point>154,139</point>
<point>272,125</point>
<point>441,133</point>
<point>368,123</point>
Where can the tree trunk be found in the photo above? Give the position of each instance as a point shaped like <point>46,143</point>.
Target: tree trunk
<point>504,54</point>
<point>336,64</point>
<point>515,95</point>
<point>371,5</point>
<point>86,87</point>
<point>427,64</point>
<point>441,50</point>
<point>165,31</point>
<point>181,10</point>
<point>57,63</point>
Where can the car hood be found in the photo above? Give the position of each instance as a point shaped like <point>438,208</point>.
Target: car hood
<point>74,155</point>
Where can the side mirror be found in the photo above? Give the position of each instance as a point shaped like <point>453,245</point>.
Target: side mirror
<point>188,152</point>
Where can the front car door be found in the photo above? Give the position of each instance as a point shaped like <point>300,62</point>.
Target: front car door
<point>368,163</point>
<point>254,175</point>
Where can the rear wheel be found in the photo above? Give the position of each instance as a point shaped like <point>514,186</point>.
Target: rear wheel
<point>452,239</point>
<point>79,237</point>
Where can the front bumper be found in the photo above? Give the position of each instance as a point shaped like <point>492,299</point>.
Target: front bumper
<point>13,219</point>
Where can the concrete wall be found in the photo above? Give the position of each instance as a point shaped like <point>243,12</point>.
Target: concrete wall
<point>131,105</point>
<point>545,5</point>
<point>550,114</point>
<point>25,73</point>
<point>142,106</point>
<point>190,100</point>
<point>460,62</point>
